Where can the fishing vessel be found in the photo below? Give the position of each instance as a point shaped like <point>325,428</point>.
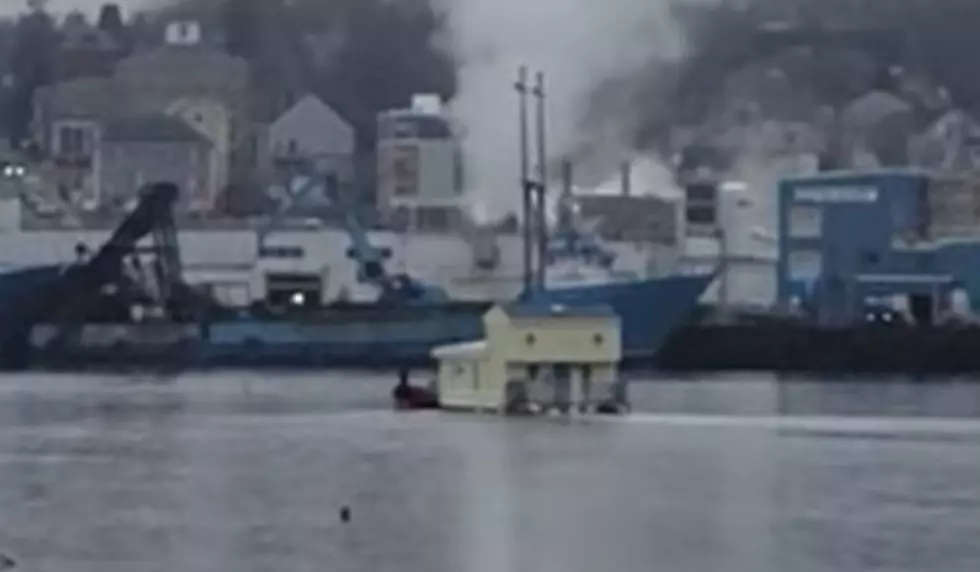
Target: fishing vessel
<point>300,318</point>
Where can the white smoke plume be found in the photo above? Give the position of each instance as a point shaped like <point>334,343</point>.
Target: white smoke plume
<point>578,44</point>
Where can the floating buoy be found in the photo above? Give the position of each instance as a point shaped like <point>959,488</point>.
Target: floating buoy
<point>345,513</point>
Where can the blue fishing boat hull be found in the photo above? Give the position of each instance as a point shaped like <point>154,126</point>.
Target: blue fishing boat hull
<point>649,309</point>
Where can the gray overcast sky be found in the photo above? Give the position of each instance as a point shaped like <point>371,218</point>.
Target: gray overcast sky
<point>8,7</point>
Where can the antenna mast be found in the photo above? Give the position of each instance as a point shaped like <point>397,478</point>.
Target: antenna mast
<point>542,186</point>
<point>522,91</point>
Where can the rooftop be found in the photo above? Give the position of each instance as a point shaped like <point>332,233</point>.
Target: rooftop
<point>154,127</point>
<point>545,309</point>
<point>849,175</point>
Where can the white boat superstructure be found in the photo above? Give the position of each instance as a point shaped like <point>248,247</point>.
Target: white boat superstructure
<point>225,256</point>
<point>228,261</point>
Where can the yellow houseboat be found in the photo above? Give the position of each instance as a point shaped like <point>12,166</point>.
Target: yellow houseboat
<point>535,359</point>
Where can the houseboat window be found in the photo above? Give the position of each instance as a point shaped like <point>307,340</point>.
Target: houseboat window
<point>598,339</point>
<point>530,339</point>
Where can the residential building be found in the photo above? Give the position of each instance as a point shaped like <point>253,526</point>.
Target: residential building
<point>420,178</point>
<point>67,124</point>
<point>156,79</point>
<point>204,86</point>
<point>212,119</point>
<point>311,148</point>
<point>155,147</point>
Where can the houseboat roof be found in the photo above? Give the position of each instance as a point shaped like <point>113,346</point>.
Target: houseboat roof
<point>461,350</point>
<point>541,309</point>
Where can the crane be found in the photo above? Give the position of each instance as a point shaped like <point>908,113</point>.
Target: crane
<point>569,242</point>
<point>68,300</point>
<point>396,289</point>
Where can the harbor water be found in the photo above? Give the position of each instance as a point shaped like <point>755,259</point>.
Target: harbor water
<point>248,472</point>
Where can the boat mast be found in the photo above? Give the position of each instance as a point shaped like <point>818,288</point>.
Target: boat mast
<point>542,186</point>
<point>522,90</point>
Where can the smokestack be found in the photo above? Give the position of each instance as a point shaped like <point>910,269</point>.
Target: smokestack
<point>625,171</point>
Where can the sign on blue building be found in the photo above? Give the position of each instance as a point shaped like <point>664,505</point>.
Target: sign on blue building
<point>837,227</point>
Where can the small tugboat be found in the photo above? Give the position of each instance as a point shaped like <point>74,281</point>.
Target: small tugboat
<point>537,359</point>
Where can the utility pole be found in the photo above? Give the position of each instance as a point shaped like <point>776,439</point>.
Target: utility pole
<point>526,187</point>
<point>542,187</point>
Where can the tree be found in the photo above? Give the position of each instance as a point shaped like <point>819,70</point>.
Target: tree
<point>242,21</point>
<point>110,19</point>
<point>111,22</point>
<point>32,66</point>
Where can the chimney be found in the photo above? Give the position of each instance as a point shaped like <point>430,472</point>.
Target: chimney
<point>625,171</point>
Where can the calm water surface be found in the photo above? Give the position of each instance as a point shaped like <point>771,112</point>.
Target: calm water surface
<point>246,472</point>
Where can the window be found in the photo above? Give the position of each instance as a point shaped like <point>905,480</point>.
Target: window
<point>292,147</point>
<point>435,219</point>
<point>72,141</point>
<point>805,264</point>
<point>805,222</point>
<point>281,252</point>
<point>700,214</point>
<point>403,167</point>
<point>701,192</point>
<point>403,129</point>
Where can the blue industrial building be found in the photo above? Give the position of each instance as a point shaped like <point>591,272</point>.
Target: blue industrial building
<point>850,239</point>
